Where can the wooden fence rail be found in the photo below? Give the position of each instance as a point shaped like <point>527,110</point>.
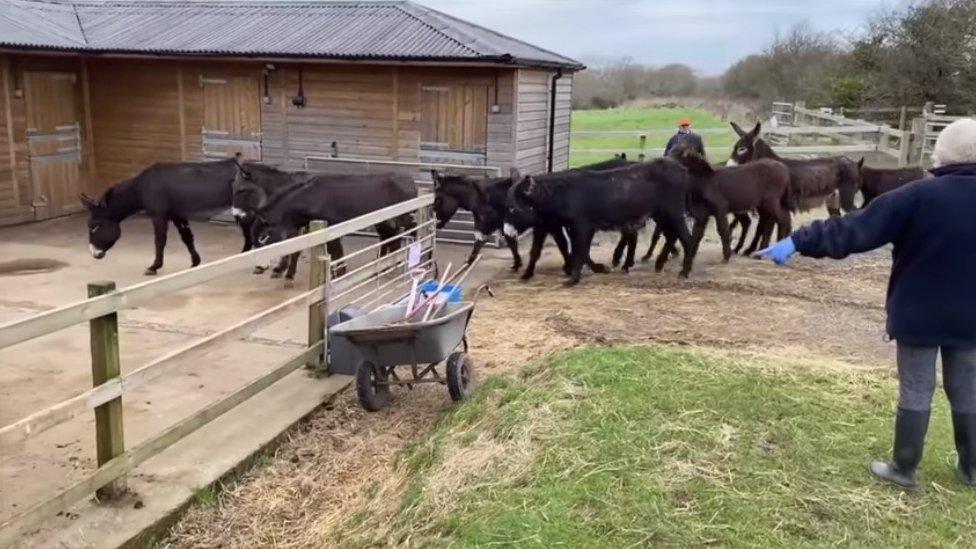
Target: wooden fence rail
<point>105,397</point>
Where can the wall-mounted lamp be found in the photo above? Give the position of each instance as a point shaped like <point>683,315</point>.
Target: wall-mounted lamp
<point>299,100</point>
<point>268,68</point>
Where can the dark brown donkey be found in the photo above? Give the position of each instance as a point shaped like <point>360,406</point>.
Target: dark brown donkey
<point>876,181</point>
<point>762,185</point>
<point>812,181</point>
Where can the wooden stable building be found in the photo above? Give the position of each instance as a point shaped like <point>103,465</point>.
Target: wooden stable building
<point>93,92</point>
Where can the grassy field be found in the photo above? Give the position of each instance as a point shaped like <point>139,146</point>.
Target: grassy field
<point>641,119</point>
<point>637,446</point>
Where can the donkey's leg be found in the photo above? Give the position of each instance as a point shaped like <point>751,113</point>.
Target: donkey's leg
<point>746,221</point>
<point>183,227</point>
<point>785,224</point>
<point>246,223</point>
<point>582,237</point>
<point>538,239</point>
<point>559,237</point>
<point>631,250</point>
<point>689,247</point>
<point>654,238</point>
<point>475,249</point>
<point>160,226</point>
<point>662,256</point>
<point>698,231</point>
<point>722,226</point>
<point>334,248</point>
<point>513,247</point>
<point>761,227</point>
<point>618,252</point>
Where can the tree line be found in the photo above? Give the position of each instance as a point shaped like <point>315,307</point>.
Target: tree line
<point>923,52</point>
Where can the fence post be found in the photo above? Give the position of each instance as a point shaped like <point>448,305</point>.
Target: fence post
<point>316,277</point>
<point>643,148</point>
<point>904,148</point>
<point>903,118</point>
<point>109,434</point>
<point>324,310</point>
<point>798,114</point>
<point>918,139</point>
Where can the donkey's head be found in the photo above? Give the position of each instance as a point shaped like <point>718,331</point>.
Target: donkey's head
<point>744,149</point>
<point>695,163</point>
<point>849,180</point>
<point>248,195</point>
<point>520,206</point>
<point>103,228</point>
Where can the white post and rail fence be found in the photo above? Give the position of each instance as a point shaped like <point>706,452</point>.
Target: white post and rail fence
<point>369,281</point>
<point>802,131</point>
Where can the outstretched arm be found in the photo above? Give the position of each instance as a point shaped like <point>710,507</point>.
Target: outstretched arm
<point>880,223</point>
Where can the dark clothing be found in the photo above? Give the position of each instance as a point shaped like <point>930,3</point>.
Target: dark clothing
<point>932,224</point>
<point>690,140</point>
<point>916,377</point>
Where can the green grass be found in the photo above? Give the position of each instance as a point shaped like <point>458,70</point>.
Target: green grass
<point>627,447</point>
<point>659,118</point>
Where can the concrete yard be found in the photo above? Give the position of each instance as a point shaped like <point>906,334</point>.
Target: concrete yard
<point>45,265</point>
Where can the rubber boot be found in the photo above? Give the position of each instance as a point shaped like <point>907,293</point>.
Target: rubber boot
<point>964,426</point>
<point>910,429</point>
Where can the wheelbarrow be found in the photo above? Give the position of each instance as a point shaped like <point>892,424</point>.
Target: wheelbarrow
<point>386,342</point>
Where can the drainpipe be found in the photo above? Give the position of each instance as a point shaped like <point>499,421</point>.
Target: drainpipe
<point>552,118</point>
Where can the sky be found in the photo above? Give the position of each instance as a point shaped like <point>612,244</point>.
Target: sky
<point>708,35</point>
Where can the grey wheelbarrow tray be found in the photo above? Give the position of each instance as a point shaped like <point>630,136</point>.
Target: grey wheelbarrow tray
<point>384,341</point>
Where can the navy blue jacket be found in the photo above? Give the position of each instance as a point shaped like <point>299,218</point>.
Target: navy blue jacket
<point>932,225</point>
<point>694,142</point>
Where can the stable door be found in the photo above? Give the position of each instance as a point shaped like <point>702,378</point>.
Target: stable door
<point>53,142</point>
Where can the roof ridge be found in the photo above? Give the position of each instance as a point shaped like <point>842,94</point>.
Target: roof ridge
<point>408,8</point>
<point>486,29</point>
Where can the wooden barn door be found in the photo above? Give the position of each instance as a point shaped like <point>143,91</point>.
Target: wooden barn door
<point>454,117</point>
<point>54,142</point>
<point>231,116</point>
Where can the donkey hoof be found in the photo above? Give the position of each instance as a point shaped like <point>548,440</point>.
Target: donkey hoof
<point>600,268</point>
<point>276,274</point>
<point>259,270</point>
<point>571,282</point>
<point>683,275</point>
<point>516,268</point>
<point>526,276</point>
<point>150,272</point>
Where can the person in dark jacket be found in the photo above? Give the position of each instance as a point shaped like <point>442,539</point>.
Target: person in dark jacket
<point>931,301</point>
<point>685,139</point>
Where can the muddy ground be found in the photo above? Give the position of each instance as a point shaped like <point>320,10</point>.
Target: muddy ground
<point>813,313</point>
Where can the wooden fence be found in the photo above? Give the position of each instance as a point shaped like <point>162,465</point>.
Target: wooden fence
<point>373,283</point>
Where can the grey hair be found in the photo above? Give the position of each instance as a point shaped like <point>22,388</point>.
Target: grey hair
<point>956,144</point>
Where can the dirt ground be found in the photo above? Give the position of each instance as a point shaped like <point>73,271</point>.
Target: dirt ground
<point>812,314</point>
<point>45,265</point>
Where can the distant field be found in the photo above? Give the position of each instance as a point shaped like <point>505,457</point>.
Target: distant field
<point>637,120</point>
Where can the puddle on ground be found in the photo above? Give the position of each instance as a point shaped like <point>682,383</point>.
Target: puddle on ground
<point>21,267</point>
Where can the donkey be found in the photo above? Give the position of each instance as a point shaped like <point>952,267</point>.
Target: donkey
<point>485,199</point>
<point>166,192</point>
<point>762,185</point>
<point>812,182</point>
<point>296,199</point>
<point>587,201</point>
<point>877,181</point>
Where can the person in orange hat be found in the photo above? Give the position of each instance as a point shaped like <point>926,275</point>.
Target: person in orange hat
<point>685,139</point>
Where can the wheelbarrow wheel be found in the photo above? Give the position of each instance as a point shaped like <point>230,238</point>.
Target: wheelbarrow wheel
<point>460,376</point>
<point>373,393</point>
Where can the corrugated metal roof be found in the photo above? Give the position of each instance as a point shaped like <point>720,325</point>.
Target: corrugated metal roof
<point>398,30</point>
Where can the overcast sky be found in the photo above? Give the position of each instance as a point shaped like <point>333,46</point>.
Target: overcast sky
<point>709,35</point>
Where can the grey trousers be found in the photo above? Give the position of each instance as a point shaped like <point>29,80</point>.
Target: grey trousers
<point>916,377</point>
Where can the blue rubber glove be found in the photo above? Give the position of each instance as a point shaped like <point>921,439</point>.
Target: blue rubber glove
<point>780,252</point>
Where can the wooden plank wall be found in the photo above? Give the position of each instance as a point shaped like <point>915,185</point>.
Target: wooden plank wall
<point>562,129</point>
<point>371,112</point>
<point>144,111</point>
<point>532,125</point>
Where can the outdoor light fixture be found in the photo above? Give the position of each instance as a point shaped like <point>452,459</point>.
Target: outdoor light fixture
<point>266,99</point>
<point>299,100</point>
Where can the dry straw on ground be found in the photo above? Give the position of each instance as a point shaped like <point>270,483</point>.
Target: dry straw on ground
<point>823,315</point>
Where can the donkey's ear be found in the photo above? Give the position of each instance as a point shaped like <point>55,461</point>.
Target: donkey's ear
<point>238,157</point>
<point>860,163</point>
<point>737,129</point>
<point>754,133</point>
<point>88,201</point>
<point>435,176</point>
<point>530,184</point>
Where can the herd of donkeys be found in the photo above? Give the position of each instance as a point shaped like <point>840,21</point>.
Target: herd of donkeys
<point>570,205</point>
